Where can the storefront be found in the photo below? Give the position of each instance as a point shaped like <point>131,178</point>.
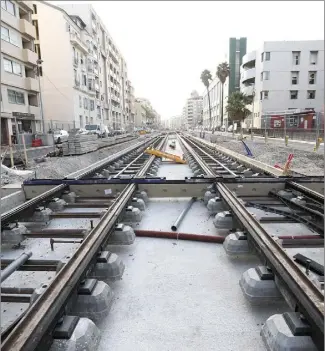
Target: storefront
<point>17,123</point>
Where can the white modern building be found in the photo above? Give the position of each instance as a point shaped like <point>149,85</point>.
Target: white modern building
<point>192,111</point>
<point>282,76</point>
<point>19,82</point>
<point>84,76</point>
<point>215,92</point>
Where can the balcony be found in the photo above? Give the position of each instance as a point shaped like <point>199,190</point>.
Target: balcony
<point>96,71</point>
<point>29,56</point>
<point>78,43</point>
<point>27,5</point>
<point>97,102</point>
<point>35,110</point>
<point>26,28</point>
<point>247,90</point>
<point>91,91</point>
<point>248,75</point>
<point>249,58</point>
<point>31,84</point>
<point>96,87</point>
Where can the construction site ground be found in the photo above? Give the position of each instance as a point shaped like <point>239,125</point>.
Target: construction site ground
<point>305,161</point>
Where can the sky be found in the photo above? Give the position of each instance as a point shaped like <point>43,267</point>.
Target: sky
<point>167,44</point>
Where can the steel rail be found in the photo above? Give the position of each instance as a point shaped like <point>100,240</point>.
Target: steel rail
<point>307,294</point>
<point>32,203</point>
<point>215,160</point>
<point>29,331</point>
<point>309,297</point>
<point>264,168</point>
<point>208,171</point>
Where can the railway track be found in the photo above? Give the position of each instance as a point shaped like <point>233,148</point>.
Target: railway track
<point>98,197</point>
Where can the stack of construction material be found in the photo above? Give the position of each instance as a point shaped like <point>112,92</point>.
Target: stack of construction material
<point>79,144</point>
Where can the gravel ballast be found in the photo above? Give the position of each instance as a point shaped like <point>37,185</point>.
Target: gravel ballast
<point>305,160</point>
<point>59,167</point>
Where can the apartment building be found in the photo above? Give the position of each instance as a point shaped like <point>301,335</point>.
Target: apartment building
<point>131,108</point>
<point>113,75</point>
<point>20,111</point>
<point>215,92</point>
<point>176,122</point>
<point>192,111</point>
<point>83,77</point>
<point>237,50</point>
<point>140,114</point>
<point>283,76</point>
<point>150,118</point>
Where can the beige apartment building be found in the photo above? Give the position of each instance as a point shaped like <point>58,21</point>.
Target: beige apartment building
<point>84,76</point>
<point>20,111</point>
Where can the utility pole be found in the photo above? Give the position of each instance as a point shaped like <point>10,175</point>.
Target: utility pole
<point>39,65</point>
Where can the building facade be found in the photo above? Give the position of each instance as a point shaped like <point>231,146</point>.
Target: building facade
<point>86,83</point>
<point>20,103</point>
<point>215,92</point>
<point>237,50</point>
<point>283,76</point>
<point>192,111</point>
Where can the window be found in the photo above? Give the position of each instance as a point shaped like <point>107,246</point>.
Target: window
<point>313,57</point>
<point>311,94</point>
<point>296,57</point>
<point>12,67</point>
<point>92,105</point>
<point>293,94</point>
<point>8,6</point>
<point>9,36</point>
<point>267,56</point>
<point>80,101</point>
<point>84,80</point>
<point>265,75</point>
<point>294,78</point>
<point>86,103</point>
<point>311,77</point>
<point>264,95</point>
<point>15,97</point>
<point>81,121</point>
<point>5,34</point>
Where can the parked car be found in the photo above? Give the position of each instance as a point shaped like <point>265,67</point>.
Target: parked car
<point>100,129</point>
<point>60,136</point>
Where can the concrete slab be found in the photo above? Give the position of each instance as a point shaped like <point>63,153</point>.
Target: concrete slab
<point>172,170</point>
<point>161,213</point>
<point>181,297</point>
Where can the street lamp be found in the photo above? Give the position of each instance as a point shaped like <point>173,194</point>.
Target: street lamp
<point>39,65</point>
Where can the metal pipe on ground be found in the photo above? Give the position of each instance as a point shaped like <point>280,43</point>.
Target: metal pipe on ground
<point>180,236</point>
<point>183,214</point>
<point>15,265</point>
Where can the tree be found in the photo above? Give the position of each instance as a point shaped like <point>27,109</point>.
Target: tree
<point>236,108</point>
<point>206,77</point>
<point>223,72</point>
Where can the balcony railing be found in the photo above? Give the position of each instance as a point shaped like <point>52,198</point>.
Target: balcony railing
<point>75,40</point>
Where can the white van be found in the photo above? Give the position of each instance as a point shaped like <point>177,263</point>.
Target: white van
<point>100,129</point>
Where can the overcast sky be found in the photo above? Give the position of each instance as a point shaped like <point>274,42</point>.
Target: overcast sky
<point>167,44</point>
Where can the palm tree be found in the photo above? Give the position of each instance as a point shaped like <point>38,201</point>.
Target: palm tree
<point>205,78</point>
<point>223,71</point>
<point>236,108</point>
